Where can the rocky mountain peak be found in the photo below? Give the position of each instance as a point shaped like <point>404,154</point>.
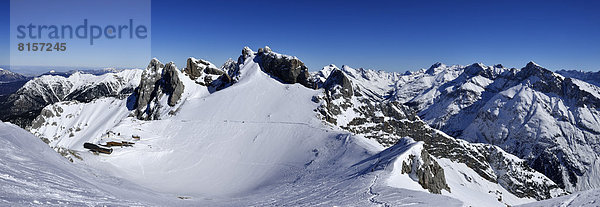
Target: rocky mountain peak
<point>475,69</point>
<point>155,65</point>
<point>287,69</point>
<point>266,49</point>
<point>204,72</point>
<point>246,53</point>
<point>337,80</point>
<point>9,76</point>
<point>431,69</point>
<point>479,69</point>
<point>532,64</point>
<point>533,69</point>
<point>157,80</point>
<point>173,86</point>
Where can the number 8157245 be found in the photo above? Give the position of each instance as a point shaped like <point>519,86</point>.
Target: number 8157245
<point>41,46</point>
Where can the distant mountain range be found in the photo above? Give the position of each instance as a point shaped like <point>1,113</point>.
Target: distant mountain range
<point>9,76</point>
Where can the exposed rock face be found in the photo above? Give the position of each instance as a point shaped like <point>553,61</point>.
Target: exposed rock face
<point>195,67</point>
<point>148,88</point>
<point>246,53</point>
<point>230,65</point>
<point>203,72</point>
<point>433,68</point>
<point>173,85</point>
<point>230,69</point>
<point>430,174</point>
<point>337,87</point>
<point>157,80</point>
<point>287,69</point>
<point>338,81</point>
<point>413,160</point>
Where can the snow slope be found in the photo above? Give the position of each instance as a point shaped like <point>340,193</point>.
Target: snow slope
<point>32,174</point>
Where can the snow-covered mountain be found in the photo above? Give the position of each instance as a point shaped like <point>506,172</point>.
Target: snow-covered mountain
<point>247,134</point>
<point>543,117</point>
<point>536,114</point>
<point>352,103</point>
<point>589,198</point>
<point>587,76</point>
<point>9,76</point>
<point>26,103</point>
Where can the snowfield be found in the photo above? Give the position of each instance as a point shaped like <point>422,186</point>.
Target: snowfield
<point>33,174</point>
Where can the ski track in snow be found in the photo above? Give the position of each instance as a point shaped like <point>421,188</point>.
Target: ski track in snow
<point>374,194</point>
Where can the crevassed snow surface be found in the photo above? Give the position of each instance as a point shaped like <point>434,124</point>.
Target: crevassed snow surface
<point>254,143</point>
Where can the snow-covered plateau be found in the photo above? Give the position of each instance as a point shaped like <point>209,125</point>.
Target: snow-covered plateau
<point>263,131</point>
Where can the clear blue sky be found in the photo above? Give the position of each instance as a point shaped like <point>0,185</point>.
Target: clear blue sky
<point>388,35</point>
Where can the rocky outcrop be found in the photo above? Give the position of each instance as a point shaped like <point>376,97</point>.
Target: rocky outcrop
<point>230,65</point>
<point>173,85</point>
<point>246,53</point>
<point>148,88</point>
<point>429,174</point>
<point>432,69</point>
<point>337,81</point>
<point>194,68</point>
<point>202,72</point>
<point>286,69</point>
<point>408,158</point>
<point>157,80</point>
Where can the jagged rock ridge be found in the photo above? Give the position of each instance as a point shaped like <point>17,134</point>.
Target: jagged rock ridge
<point>287,69</point>
<point>157,80</point>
